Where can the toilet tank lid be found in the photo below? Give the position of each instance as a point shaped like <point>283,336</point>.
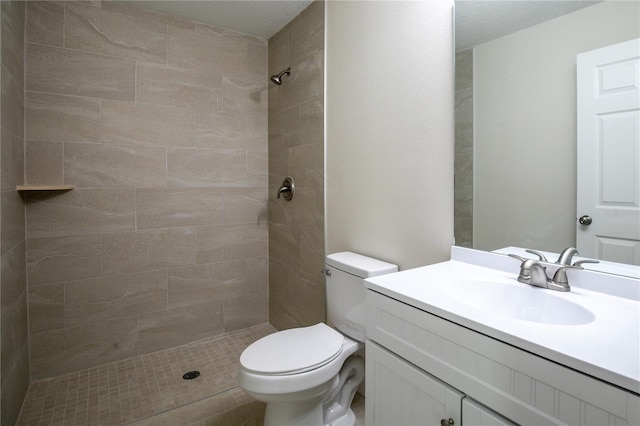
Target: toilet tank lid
<point>359,265</point>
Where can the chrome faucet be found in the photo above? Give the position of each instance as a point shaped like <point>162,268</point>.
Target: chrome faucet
<point>538,276</point>
<point>567,255</point>
<point>533,272</point>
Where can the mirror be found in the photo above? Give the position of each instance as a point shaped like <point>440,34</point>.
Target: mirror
<point>516,182</point>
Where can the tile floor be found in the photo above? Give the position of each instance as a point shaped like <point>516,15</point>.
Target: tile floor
<point>149,389</point>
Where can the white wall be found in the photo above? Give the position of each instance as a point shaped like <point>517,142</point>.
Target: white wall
<point>525,126</point>
<point>389,130</point>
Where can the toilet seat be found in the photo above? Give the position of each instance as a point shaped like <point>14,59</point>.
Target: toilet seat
<point>293,351</point>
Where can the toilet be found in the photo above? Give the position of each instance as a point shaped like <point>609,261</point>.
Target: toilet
<point>309,375</point>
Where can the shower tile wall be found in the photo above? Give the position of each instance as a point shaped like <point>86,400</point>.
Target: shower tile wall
<point>463,223</point>
<point>161,124</point>
<point>296,149</point>
<point>14,372</point>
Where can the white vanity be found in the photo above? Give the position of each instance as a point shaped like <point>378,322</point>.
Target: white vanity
<point>463,343</point>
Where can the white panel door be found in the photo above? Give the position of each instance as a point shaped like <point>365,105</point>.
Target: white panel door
<point>608,185</point>
<point>399,394</point>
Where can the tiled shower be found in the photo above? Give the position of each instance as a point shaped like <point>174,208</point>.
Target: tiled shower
<point>463,203</point>
<point>175,145</point>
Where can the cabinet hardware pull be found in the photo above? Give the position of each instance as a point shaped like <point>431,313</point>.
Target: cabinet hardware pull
<point>445,422</point>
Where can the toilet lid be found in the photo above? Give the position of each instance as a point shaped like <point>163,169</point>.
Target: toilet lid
<point>293,351</point>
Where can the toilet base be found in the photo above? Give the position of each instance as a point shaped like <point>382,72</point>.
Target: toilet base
<point>337,405</point>
<point>349,419</point>
<point>303,413</point>
<point>302,408</point>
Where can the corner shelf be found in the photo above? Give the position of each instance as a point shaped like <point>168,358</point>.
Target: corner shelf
<point>44,187</point>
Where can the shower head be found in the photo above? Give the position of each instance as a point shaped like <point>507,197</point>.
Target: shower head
<point>277,78</point>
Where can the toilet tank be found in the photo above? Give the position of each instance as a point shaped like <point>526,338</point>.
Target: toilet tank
<point>345,274</point>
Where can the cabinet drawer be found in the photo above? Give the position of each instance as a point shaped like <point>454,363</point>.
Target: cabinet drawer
<point>519,385</point>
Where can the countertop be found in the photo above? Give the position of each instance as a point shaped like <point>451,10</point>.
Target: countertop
<point>607,348</point>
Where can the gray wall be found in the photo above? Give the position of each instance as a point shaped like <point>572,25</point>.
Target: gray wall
<point>463,224</point>
<point>161,124</point>
<point>296,149</point>
<point>13,332</point>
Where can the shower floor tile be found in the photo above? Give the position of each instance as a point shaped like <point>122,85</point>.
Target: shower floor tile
<point>149,389</point>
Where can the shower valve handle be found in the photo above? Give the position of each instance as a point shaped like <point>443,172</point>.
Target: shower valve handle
<point>287,189</point>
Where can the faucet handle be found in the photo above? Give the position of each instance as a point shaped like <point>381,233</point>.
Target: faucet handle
<point>541,256</point>
<point>561,274</point>
<point>580,262</point>
<point>287,189</point>
<point>525,268</point>
<point>526,262</point>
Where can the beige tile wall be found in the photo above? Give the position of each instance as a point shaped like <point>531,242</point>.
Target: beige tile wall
<point>296,149</point>
<point>463,204</point>
<point>14,356</point>
<point>161,124</point>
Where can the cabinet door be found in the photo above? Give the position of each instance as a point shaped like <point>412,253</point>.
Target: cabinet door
<point>400,394</point>
<point>474,414</point>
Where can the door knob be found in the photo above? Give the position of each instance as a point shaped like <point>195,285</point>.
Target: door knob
<point>585,220</point>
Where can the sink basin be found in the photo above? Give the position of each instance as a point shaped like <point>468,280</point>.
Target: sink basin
<point>519,301</point>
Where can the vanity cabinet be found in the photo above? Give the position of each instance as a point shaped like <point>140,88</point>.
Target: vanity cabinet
<point>474,414</point>
<point>422,368</point>
<point>400,394</point>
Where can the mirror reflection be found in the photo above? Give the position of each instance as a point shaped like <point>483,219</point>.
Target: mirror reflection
<point>516,124</point>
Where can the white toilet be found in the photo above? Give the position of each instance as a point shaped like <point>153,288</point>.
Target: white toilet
<point>309,375</point>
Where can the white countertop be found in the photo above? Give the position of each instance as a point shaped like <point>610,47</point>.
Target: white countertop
<point>607,348</point>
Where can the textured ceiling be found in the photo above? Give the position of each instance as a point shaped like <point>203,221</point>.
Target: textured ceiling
<point>478,21</point>
<point>262,18</point>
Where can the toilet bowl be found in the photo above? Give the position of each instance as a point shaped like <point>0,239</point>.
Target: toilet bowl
<point>309,375</point>
<point>299,373</point>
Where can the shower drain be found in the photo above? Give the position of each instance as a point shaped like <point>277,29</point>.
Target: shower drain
<point>190,375</point>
